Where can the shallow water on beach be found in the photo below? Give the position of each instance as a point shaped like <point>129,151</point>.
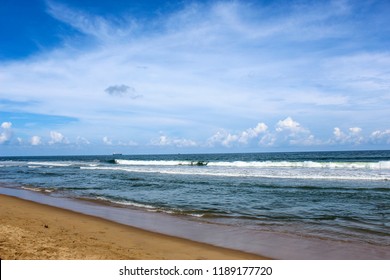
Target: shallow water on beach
<point>336,196</point>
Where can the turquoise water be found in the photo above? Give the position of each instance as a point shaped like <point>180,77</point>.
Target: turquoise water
<point>340,196</point>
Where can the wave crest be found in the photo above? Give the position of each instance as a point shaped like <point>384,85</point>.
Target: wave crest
<point>261,164</point>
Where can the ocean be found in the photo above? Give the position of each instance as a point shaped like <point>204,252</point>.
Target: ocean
<point>339,198</point>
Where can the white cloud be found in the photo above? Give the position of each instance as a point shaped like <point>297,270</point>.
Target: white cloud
<point>6,133</point>
<point>251,133</point>
<point>288,124</point>
<point>355,130</point>
<point>217,138</point>
<point>338,134</point>
<point>82,141</point>
<point>378,136</point>
<point>229,140</point>
<point>291,132</point>
<point>164,140</point>
<point>286,131</point>
<point>268,139</point>
<point>57,138</point>
<point>353,136</point>
<point>35,140</point>
<point>6,125</point>
<point>107,140</point>
<point>226,139</point>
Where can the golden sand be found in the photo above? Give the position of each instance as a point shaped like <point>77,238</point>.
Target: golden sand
<point>30,230</point>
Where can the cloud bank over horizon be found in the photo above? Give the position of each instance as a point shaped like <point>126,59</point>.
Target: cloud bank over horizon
<point>205,76</point>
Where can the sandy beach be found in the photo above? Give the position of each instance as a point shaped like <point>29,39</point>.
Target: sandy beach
<point>30,230</point>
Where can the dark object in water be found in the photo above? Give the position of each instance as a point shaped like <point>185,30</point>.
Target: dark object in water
<point>199,163</point>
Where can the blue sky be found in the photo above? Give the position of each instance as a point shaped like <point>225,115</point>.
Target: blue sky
<point>96,77</point>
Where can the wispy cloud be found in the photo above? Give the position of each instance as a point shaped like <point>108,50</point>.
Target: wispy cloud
<point>98,27</point>
<point>214,68</point>
<point>82,141</point>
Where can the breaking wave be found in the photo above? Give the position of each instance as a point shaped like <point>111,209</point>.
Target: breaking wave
<point>262,164</point>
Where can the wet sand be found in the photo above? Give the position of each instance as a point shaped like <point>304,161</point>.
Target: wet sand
<point>29,230</point>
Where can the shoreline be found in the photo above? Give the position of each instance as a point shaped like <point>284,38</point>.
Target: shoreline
<point>30,230</point>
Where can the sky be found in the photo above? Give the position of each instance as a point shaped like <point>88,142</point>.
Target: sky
<point>146,77</point>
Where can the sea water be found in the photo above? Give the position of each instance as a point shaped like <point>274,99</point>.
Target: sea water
<point>336,196</point>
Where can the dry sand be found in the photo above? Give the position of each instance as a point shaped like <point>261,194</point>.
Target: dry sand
<point>29,230</point>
